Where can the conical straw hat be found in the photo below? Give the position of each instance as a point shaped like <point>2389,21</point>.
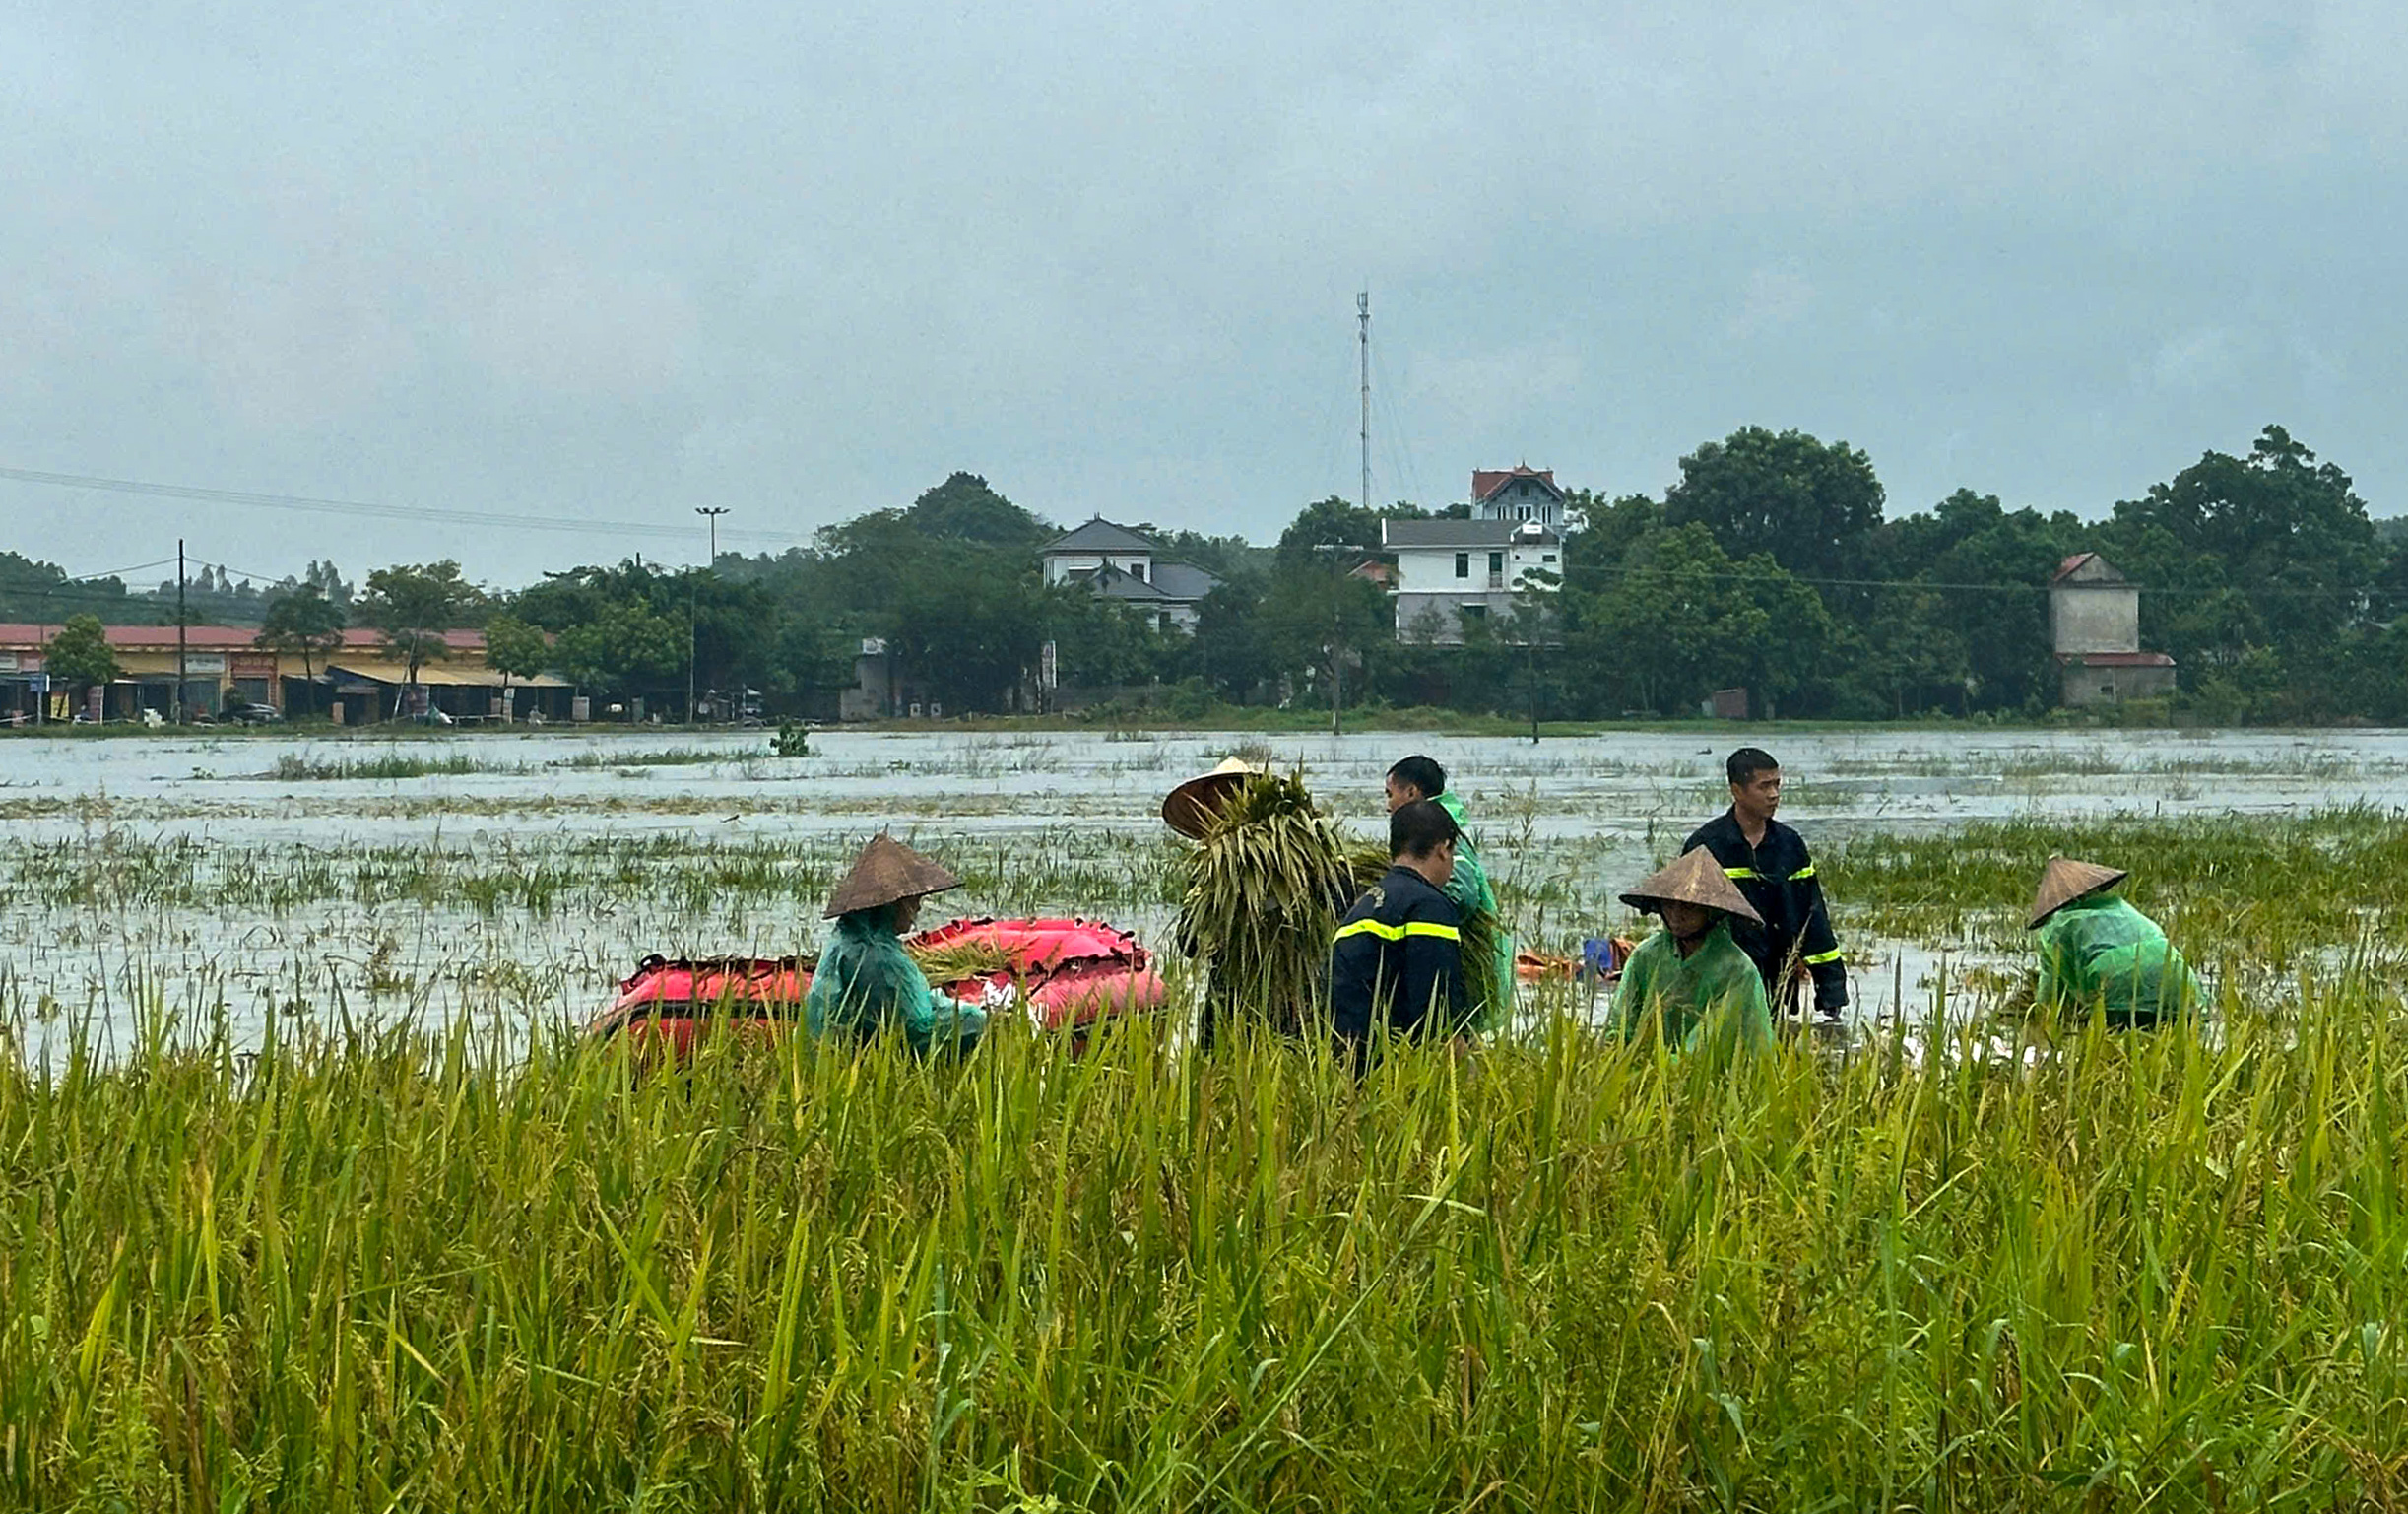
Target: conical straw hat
<point>1191,805</point>
<point>887,870</point>
<point>1696,879</point>
<point>2064,881</point>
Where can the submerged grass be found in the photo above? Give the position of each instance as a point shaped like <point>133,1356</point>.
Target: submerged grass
<point>374,1270</point>
<point>2272,887</point>
<point>294,768</point>
<point>665,756</point>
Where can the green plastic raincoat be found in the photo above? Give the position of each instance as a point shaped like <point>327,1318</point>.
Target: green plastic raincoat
<point>865,984</point>
<point>2101,950</point>
<point>1470,892</point>
<point>1710,1000</point>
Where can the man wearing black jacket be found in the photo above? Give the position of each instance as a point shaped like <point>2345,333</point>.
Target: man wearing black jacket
<point>1396,961</point>
<point>1770,864</point>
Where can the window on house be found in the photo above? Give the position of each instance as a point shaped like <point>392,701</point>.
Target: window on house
<point>1496,564</point>
<point>1463,565</point>
<point>1472,612</point>
<point>1548,557</point>
<point>1137,570</point>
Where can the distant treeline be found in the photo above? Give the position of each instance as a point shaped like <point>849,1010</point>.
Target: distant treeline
<point>1771,565</point>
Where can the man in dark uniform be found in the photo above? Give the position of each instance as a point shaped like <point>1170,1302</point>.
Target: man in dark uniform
<point>1769,862</point>
<point>1397,961</point>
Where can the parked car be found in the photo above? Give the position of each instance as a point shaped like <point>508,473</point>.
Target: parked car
<point>254,715</point>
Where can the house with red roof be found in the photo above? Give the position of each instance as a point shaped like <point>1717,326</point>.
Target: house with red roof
<point>2094,623</point>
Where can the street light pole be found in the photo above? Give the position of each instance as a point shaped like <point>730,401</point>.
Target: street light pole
<point>711,513</point>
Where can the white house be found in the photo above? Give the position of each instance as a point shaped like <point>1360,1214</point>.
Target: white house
<point>1452,571</point>
<point>1120,564</point>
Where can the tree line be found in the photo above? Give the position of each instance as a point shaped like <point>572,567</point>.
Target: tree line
<point>1771,564</point>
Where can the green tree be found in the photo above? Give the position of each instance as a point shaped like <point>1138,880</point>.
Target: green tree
<point>301,621</point>
<point>1333,522</point>
<point>1231,651</point>
<point>515,649</point>
<point>622,649</point>
<point>1808,504</point>
<point>80,654</point>
<point>1992,567</point>
<point>414,605</point>
<point>1320,621</point>
<point>2273,550</point>
<point>1675,623</point>
<point>963,508</point>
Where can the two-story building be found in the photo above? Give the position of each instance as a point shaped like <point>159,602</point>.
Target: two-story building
<point>1451,573</point>
<point>1121,565</point>
<point>2094,622</point>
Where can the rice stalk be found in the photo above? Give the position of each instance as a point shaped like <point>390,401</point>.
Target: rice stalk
<point>1263,892</point>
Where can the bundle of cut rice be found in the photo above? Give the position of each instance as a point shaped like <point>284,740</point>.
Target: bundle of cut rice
<point>955,962</point>
<point>1263,892</point>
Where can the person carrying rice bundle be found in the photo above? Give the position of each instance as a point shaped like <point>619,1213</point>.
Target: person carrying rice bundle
<point>865,984</point>
<point>1690,982</point>
<point>2097,951</point>
<point>1468,887</point>
<point>1262,891</point>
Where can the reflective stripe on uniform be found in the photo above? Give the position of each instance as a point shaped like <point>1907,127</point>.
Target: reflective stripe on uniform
<point>1802,874</point>
<point>1741,873</point>
<point>1399,932</point>
<point>1820,958</point>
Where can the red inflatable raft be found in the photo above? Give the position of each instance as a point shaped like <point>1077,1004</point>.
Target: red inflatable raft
<point>1068,973</point>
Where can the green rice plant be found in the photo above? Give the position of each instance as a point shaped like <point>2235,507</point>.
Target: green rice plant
<point>435,1265</point>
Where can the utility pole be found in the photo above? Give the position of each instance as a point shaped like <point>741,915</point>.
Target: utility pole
<point>179,630</point>
<point>1362,314</point>
<point>710,512</point>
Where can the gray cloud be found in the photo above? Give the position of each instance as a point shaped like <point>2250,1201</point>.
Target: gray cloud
<point>615,262</point>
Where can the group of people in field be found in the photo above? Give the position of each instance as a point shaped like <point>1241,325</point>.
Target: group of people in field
<point>1745,938</point>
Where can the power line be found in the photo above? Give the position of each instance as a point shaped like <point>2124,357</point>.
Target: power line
<point>362,509</point>
<point>116,572</point>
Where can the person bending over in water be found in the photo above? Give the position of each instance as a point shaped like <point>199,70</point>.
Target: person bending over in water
<point>2097,951</point>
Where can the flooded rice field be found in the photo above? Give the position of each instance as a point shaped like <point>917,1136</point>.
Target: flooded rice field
<point>519,876</point>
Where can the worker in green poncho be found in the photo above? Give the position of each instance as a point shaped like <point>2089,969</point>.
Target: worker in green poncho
<point>865,984</point>
<point>2097,951</point>
<point>1690,982</point>
<point>1468,889</point>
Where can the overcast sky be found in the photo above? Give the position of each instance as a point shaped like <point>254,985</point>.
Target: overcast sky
<point>613,261</point>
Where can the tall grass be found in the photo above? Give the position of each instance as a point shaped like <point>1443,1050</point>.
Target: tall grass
<point>296,768</point>
<point>378,1268</point>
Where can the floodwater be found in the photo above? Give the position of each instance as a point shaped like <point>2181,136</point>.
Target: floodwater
<point>1611,803</point>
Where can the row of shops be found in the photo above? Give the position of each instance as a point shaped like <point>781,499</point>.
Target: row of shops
<point>218,673</point>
